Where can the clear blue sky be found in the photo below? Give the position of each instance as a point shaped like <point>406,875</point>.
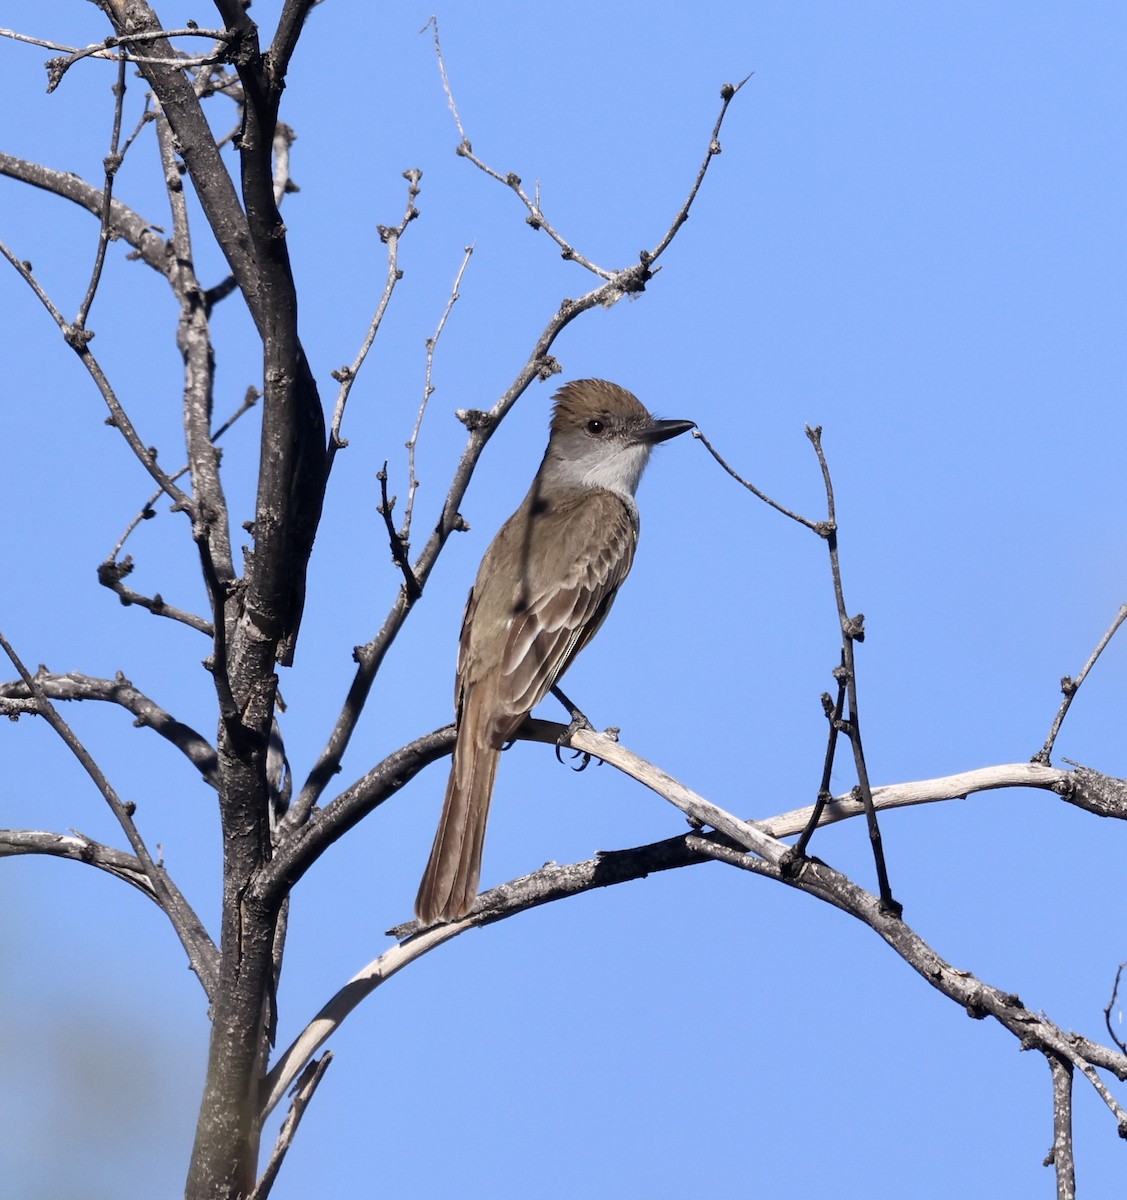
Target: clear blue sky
<point>914,237</point>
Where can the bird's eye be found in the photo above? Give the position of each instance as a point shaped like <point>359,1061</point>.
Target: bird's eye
<point>595,426</point>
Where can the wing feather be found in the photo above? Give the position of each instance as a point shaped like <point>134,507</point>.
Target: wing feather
<point>530,613</point>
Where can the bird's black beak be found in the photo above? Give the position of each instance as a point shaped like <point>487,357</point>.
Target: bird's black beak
<point>662,431</point>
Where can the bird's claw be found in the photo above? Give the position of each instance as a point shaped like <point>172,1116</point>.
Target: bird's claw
<point>578,722</point>
<point>576,754</point>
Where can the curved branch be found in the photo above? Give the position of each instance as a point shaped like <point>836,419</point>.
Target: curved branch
<point>111,574</point>
<point>120,691</point>
<point>78,848</point>
<point>840,808</point>
<point>312,837</point>
<point>554,882</point>
<point>732,841</point>
<point>121,221</point>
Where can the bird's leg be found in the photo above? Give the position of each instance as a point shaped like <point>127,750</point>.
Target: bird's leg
<point>578,721</point>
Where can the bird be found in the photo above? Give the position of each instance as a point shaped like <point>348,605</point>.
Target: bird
<point>544,588</point>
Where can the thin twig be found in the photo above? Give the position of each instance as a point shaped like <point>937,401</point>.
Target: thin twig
<point>536,218</point>
<point>78,340</point>
<point>111,575</point>
<point>74,686</point>
<point>433,24</point>
<point>821,528</point>
<point>148,114</point>
<point>833,710</point>
<point>1069,686</point>
<point>346,376</point>
<point>108,48</point>
<point>253,395</point>
<point>727,94</point>
<point>399,548</point>
<point>112,162</point>
<point>1111,1004</point>
<point>428,389</point>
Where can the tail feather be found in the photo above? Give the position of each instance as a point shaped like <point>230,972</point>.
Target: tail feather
<point>449,886</point>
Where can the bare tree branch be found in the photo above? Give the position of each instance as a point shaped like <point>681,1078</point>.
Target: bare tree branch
<point>346,376</point>
<point>120,691</point>
<point>1070,686</point>
<point>730,844</point>
<point>250,399</point>
<point>1061,1157</point>
<point>135,21</point>
<point>852,631</point>
<point>428,391</point>
<point>818,527</point>
<point>193,937</point>
<point>112,163</point>
<point>123,222</point>
<point>78,340</point>
<point>1112,999</point>
<point>400,551</point>
<point>78,848</point>
<point>302,1094</point>
<point>308,839</point>
<point>112,574</point>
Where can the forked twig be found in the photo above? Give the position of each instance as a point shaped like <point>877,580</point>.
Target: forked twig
<point>399,548</point>
<point>253,395</point>
<point>821,528</point>
<point>536,218</point>
<point>109,48</point>
<point>852,631</point>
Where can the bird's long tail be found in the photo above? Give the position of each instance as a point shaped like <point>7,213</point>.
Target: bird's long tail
<point>449,886</point>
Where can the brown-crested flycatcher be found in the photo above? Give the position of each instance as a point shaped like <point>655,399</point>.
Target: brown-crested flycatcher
<point>544,587</point>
